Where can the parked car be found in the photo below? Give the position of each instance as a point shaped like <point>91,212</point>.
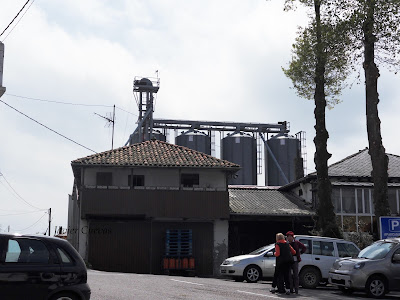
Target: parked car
<point>314,266</point>
<point>41,268</point>
<point>376,270</point>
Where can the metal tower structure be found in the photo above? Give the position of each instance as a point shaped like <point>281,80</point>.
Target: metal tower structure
<point>144,90</point>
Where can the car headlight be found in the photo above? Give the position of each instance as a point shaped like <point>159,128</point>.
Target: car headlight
<point>231,262</point>
<point>359,265</point>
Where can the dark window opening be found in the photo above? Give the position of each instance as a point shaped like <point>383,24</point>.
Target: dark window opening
<point>135,180</point>
<point>189,180</point>
<point>104,178</point>
<point>300,192</point>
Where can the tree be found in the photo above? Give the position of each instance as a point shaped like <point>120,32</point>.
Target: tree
<point>376,36</point>
<point>318,70</point>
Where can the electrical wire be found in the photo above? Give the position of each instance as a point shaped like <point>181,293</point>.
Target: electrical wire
<point>15,18</point>
<point>32,224</point>
<point>48,127</point>
<point>19,197</point>
<point>68,103</point>
<point>19,214</point>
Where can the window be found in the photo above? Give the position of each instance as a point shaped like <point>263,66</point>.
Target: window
<point>65,258</point>
<point>348,201</point>
<point>363,201</point>
<point>323,248</point>
<point>300,192</point>
<point>336,200</point>
<point>347,250</point>
<point>27,251</point>
<point>189,180</point>
<point>135,180</point>
<point>392,198</point>
<point>104,178</point>
<point>306,243</point>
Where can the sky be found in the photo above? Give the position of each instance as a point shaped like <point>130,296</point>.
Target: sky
<point>216,60</point>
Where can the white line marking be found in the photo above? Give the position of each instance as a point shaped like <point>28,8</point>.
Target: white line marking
<point>187,282</point>
<point>262,295</point>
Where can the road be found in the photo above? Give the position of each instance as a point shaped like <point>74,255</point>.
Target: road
<point>124,286</point>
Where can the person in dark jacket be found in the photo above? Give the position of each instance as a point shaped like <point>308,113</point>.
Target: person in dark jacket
<point>284,258</point>
<point>294,267</point>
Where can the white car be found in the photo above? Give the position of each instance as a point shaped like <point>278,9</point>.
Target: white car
<point>314,267</point>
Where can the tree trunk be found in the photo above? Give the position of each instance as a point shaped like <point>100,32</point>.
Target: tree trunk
<point>325,213</point>
<point>379,158</point>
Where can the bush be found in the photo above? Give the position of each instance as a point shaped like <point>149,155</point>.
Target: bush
<point>361,239</point>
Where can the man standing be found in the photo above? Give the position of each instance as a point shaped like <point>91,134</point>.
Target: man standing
<point>300,249</point>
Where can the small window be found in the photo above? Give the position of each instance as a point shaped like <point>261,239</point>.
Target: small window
<point>306,243</point>
<point>300,192</point>
<point>347,250</point>
<point>189,180</point>
<point>104,178</point>
<point>323,248</point>
<point>65,258</point>
<point>135,180</point>
<point>27,251</point>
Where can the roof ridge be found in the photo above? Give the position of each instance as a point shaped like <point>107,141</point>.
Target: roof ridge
<point>348,157</point>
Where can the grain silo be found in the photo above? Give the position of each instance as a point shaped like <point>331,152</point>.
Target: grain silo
<point>241,148</point>
<point>155,135</point>
<point>195,140</point>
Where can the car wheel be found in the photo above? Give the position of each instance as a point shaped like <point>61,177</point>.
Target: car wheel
<point>65,296</point>
<point>346,291</point>
<point>376,287</point>
<point>252,274</point>
<point>309,277</point>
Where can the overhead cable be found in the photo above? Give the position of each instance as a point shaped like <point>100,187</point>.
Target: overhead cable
<point>68,103</point>
<point>16,18</point>
<point>32,224</point>
<point>48,127</point>
<point>19,197</point>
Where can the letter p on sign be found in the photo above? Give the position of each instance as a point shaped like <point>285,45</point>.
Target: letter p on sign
<point>394,224</point>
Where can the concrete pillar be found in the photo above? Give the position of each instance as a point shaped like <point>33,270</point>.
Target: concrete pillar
<point>221,228</point>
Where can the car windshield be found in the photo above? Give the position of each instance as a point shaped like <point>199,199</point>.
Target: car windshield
<point>261,250</point>
<point>377,250</point>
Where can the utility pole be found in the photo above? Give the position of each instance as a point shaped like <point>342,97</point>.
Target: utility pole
<point>49,220</point>
<point>2,88</point>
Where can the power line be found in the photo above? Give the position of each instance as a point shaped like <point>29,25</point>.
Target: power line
<point>5,179</point>
<point>32,224</point>
<point>16,17</point>
<point>69,103</point>
<point>48,127</point>
<point>19,214</point>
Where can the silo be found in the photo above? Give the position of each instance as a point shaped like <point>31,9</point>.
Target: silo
<point>195,140</point>
<point>156,135</point>
<point>286,149</point>
<point>241,148</point>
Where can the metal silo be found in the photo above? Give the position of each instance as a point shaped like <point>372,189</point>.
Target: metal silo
<point>241,148</point>
<point>156,135</point>
<point>286,149</point>
<point>195,140</point>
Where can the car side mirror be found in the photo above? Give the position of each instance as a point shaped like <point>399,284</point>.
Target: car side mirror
<point>396,258</point>
<point>269,254</point>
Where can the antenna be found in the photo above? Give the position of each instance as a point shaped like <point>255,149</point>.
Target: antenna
<point>110,120</point>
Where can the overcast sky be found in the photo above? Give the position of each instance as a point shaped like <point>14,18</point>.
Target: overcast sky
<point>217,61</point>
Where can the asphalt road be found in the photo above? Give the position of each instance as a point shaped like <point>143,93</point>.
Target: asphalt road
<point>124,286</point>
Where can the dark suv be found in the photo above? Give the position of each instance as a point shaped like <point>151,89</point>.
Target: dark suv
<point>41,268</point>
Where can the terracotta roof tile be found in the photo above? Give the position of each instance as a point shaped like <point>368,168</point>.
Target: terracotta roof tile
<point>155,153</point>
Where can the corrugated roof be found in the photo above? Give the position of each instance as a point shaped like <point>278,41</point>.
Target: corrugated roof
<point>264,201</point>
<point>359,165</point>
<point>154,153</point>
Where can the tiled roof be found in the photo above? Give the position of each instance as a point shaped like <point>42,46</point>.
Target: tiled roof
<point>265,201</point>
<point>359,165</point>
<point>154,153</point>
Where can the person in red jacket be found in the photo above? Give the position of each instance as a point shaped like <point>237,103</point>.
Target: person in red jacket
<point>294,267</point>
<point>284,258</point>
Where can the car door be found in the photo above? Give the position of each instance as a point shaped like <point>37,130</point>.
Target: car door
<point>27,269</point>
<point>323,256</point>
<point>269,263</point>
<point>395,270</point>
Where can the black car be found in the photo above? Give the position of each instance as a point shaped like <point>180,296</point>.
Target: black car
<point>41,268</point>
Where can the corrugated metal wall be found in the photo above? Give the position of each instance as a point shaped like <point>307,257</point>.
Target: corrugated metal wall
<point>127,246</point>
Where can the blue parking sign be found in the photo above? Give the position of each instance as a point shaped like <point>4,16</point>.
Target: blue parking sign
<point>389,227</point>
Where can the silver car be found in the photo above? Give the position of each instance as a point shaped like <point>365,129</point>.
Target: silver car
<point>376,270</point>
<point>252,266</point>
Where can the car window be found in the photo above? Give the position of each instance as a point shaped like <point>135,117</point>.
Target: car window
<point>261,250</point>
<point>323,248</point>
<point>306,243</point>
<point>347,250</point>
<point>377,250</point>
<point>65,258</point>
<point>27,251</point>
